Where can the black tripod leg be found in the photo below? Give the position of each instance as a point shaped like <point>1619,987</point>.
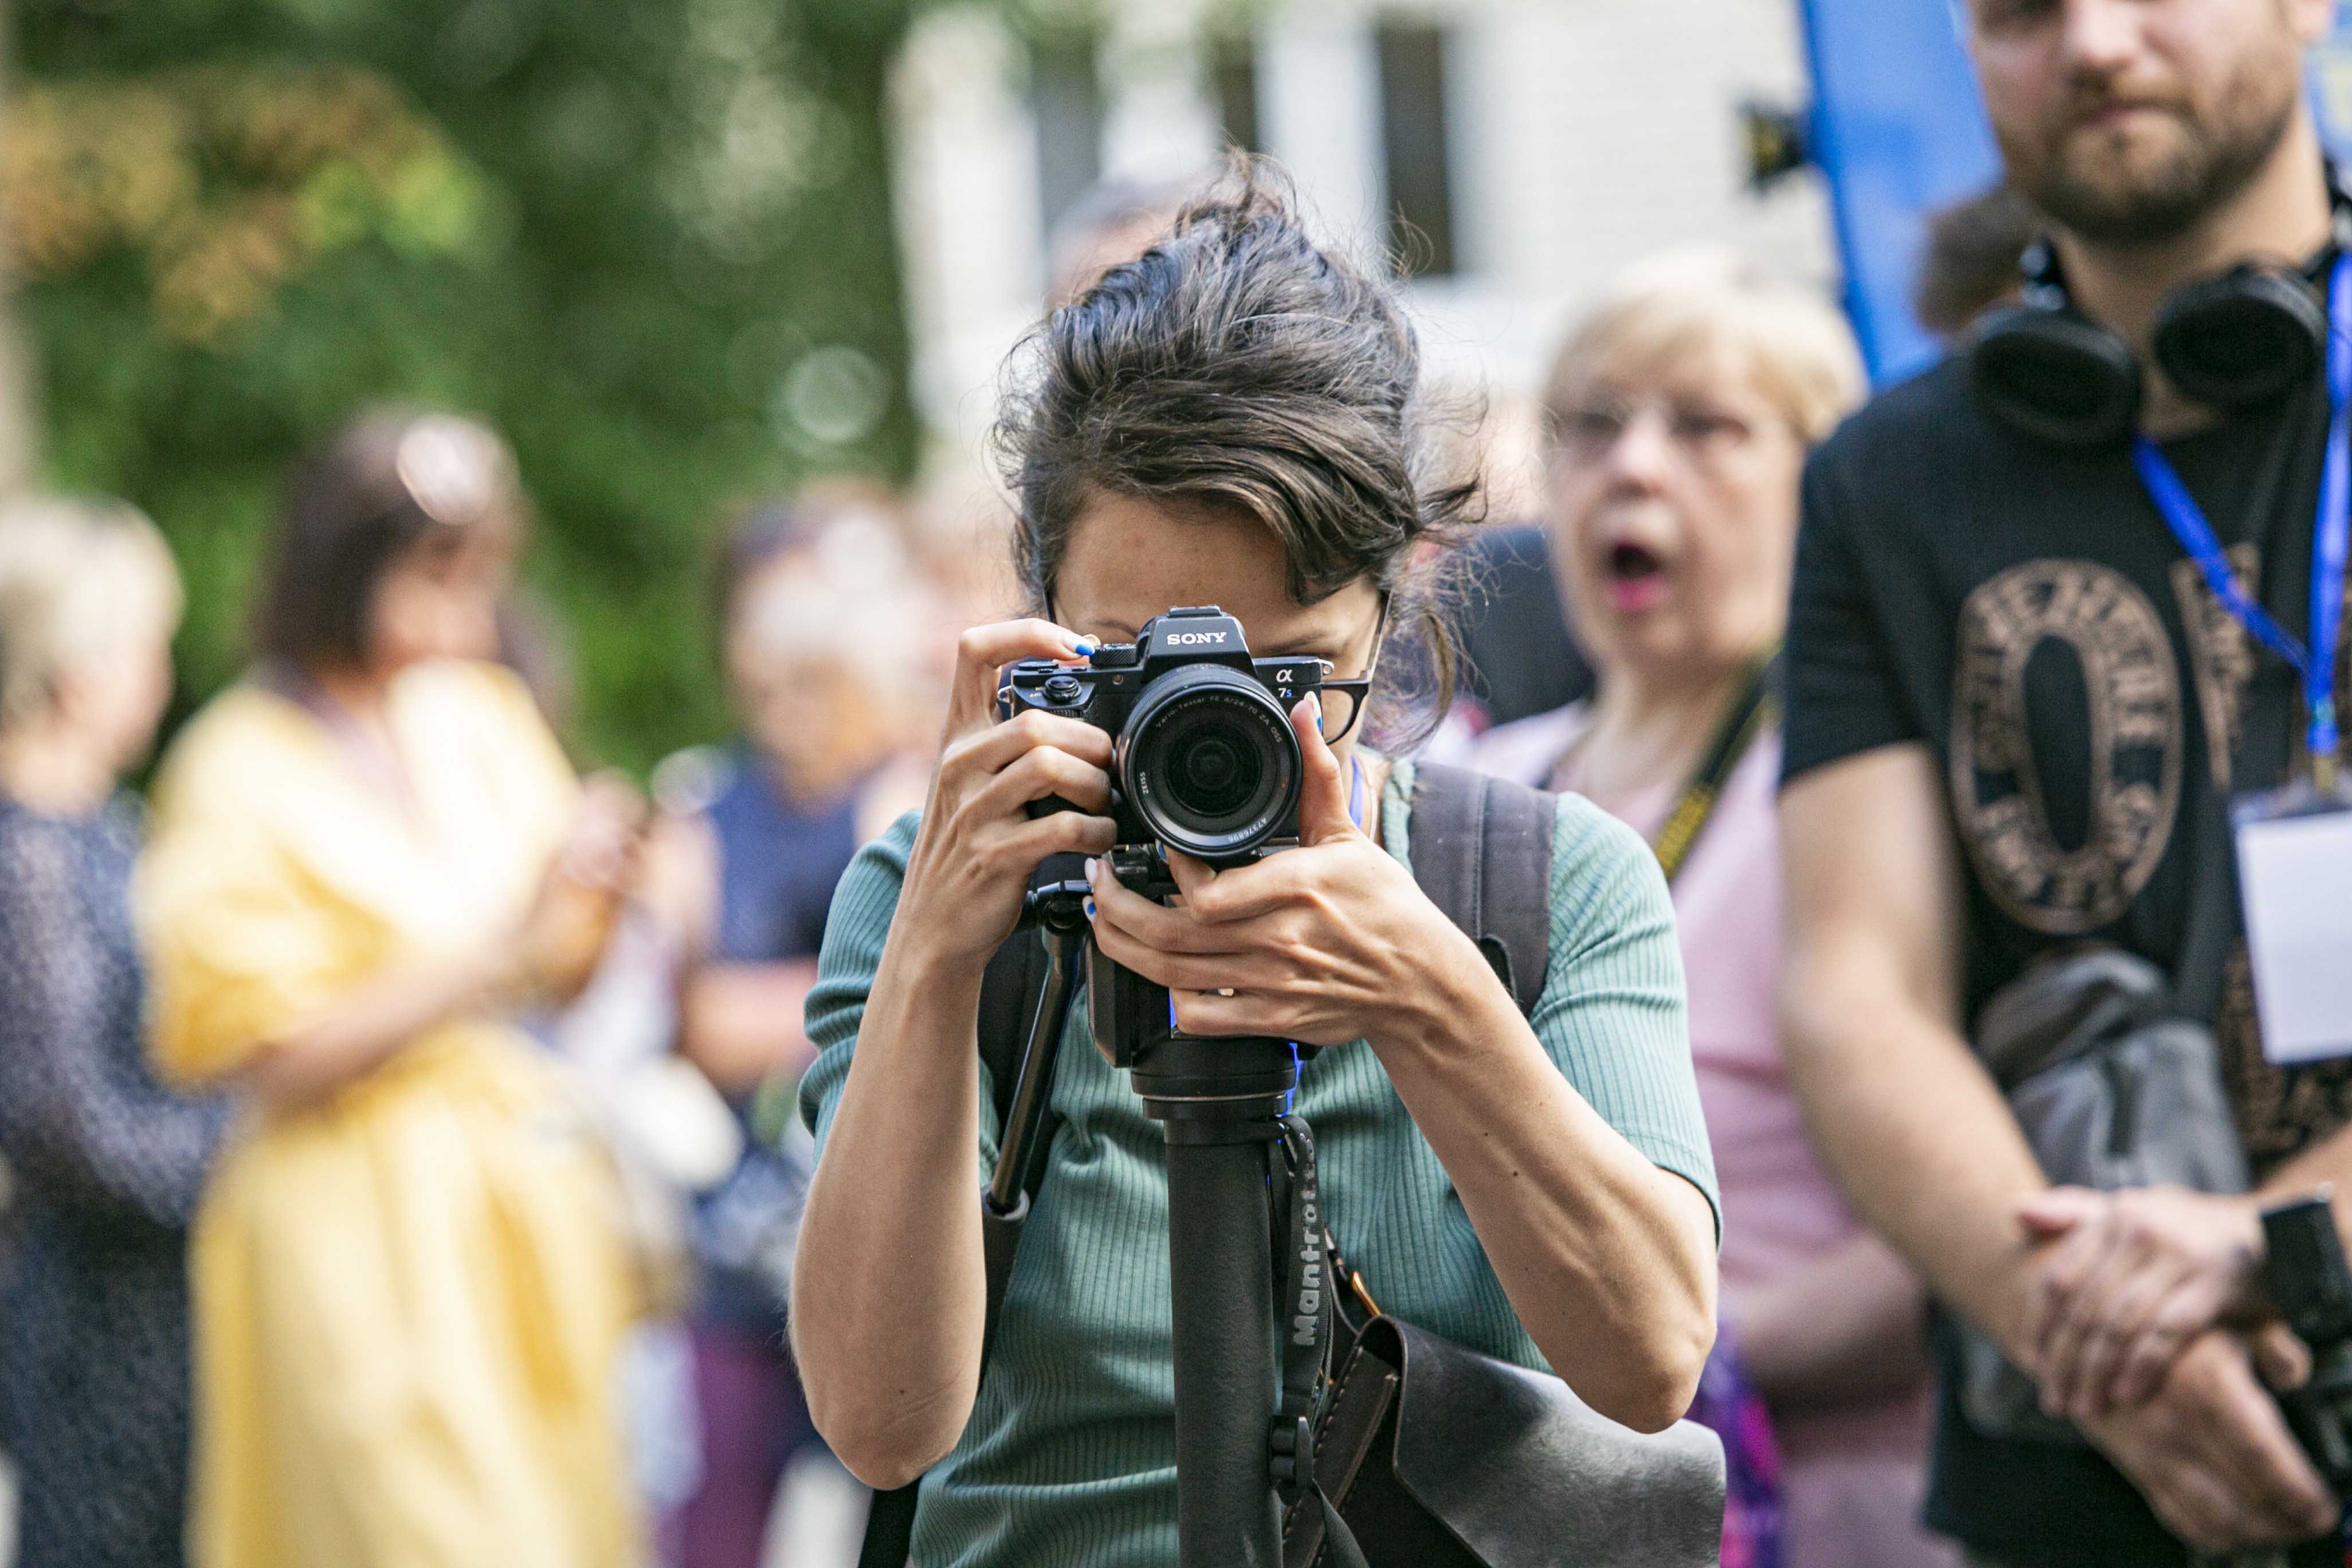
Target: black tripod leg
<point>1220,1248</point>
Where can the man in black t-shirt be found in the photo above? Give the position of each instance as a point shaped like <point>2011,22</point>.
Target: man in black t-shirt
<point>2015,714</point>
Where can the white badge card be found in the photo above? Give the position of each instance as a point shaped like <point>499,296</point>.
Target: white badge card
<point>2294,875</point>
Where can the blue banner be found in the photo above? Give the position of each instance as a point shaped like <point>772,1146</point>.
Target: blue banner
<point>1899,130</point>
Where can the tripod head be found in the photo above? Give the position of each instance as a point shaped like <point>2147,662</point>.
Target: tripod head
<point>1181,1077</point>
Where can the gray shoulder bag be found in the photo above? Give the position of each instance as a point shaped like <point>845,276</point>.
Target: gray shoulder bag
<point>2115,1080</point>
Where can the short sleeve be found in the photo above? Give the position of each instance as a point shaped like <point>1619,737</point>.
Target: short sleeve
<point>854,933</point>
<point>236,955</point>
<point>1613,1014</point>
<point>1843,694</point>
<point>238,946</point>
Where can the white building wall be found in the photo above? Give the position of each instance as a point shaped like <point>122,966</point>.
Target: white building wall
<point>1586,133</point>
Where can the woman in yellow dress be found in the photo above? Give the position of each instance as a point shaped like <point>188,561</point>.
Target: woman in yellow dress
<point>411,1282</point>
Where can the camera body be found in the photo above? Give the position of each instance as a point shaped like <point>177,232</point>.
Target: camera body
<point>1204,760</point>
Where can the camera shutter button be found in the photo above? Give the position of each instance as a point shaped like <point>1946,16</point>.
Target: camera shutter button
<point>1063,689</point>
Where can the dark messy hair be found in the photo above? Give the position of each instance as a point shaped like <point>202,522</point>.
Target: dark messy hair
<point>391,479</point>
<point>1241,367</point>
<point>1971,263</point>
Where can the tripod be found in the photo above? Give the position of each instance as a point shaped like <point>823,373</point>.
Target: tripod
<point>1222,1105</point>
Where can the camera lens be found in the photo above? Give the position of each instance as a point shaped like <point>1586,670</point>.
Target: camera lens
<point>1218,771</point>
<point>1210,763</point>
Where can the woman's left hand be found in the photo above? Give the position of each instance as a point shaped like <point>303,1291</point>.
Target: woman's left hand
<point>1327,944</point>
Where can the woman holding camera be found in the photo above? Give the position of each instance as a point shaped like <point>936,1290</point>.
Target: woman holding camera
<point>1230,419</point>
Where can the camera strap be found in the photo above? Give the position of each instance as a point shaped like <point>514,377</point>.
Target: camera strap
<point>1750,715</point>
<point>1303,1264</point>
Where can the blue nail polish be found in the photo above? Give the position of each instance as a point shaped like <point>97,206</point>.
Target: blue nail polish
<point>1319,720</point>
<point>1090,908</point>
<point>1084,649</point>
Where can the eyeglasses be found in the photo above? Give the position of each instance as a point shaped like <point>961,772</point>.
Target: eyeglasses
<point>1343,704</point>
<point>1343,700</point>
<point>1589,429</point>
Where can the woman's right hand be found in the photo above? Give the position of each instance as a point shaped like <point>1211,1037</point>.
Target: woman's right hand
<point>978,845</point>
<point>562,937</point>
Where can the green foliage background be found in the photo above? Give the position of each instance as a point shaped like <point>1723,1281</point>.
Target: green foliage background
<point>617,230</point>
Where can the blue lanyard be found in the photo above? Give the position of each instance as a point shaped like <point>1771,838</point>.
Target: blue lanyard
<point>2316,663</point>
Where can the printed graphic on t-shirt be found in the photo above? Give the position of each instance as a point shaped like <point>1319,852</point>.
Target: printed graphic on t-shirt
<point>2280,1111</point>
<point>2125,657</point>
<point>2222,654</point>
<point>2128,670</point>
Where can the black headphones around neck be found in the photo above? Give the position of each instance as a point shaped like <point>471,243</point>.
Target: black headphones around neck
<point>2047,370</point>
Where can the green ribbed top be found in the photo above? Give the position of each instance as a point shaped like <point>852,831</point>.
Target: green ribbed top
<point>1069,1459</point>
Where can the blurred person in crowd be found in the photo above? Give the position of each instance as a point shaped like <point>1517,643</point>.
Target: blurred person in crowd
<point>1682,407</point>
<point>1110,222</point>
<point>1518,657</point>
<point>1522,1180</point>
<point>2019,701</point>
<point>667,1128</point>
<point>94,1376</point>
<point>818,644</point>
<point>531,642</point>
<point>1970,262</point>
<point>369,858</point>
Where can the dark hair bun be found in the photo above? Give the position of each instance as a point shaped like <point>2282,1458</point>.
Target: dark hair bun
<point>1237,364</point>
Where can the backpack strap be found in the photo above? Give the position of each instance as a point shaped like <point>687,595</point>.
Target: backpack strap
<point>1008,995</point>
<point>1482,851</point>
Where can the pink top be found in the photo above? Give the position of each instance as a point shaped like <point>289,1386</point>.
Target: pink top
<point>1780,1208</point>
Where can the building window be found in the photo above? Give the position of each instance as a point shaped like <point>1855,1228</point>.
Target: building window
<point>1416,149</point>
<point>1066,89</point>
<point>1233,72</point>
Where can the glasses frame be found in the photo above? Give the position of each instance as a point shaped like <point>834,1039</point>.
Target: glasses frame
<point>1358,687</point>
<point>1563,446</point>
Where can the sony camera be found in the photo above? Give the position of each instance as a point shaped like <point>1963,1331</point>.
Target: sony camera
<point>1203,760</point>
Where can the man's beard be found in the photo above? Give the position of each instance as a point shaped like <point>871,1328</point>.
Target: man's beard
<point>2119,204</point>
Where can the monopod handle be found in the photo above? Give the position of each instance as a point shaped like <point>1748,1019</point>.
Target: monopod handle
<point>1057,910</point>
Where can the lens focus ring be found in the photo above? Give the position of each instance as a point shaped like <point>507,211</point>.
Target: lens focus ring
<point>1210,763</point>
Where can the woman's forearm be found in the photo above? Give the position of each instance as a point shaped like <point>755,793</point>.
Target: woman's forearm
<point>1849,1326</point>
<point>889,1288</point>
<point>1607,1260</point>
<point>375,1021</point>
